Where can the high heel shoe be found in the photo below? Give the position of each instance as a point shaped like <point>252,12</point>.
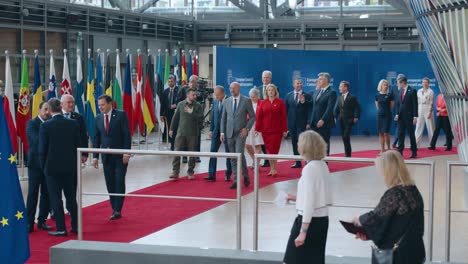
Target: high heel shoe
<point>270,173</point>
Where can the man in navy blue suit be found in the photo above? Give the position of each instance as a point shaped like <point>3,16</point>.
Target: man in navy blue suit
<point>215,133</point>
<point>321,119</point>
<point>59,138</point>
<point>297,108</point>
<point>169,102</point>
<point>406,109</point>
<point>112,132</point>
<point>36,178</point>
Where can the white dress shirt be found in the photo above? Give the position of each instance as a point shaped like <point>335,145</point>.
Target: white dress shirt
<point>104,117</point>
<point>312,191</point>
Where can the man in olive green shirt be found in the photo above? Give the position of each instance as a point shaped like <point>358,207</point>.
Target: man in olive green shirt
<point>187,121</point>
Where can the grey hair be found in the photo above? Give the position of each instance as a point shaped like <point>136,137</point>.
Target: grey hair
<point>254,91</point>
<point>267,73</point>
<point>326,75</point>
<point>220,87</point>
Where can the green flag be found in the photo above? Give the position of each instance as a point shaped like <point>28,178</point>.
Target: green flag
<point>166,68</point>
<point>117,89</point>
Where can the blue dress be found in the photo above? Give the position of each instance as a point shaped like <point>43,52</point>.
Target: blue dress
<point>384,112</point>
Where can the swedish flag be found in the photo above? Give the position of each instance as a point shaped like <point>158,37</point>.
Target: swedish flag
<point>14,246</point>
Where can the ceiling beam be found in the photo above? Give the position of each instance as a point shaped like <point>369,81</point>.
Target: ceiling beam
<point>284,9</point>
<point>248,7</point>
<point>144,7</point>
<point>399,5</point>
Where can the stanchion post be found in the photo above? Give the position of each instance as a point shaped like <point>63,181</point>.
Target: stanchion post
<point>255,205</point>
<point>430,224</point>
<point>79,191</point>
<point>239,201</point>
<point>448,209</point>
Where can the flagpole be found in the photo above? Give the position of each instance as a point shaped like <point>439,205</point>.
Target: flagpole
<point>146,134</point>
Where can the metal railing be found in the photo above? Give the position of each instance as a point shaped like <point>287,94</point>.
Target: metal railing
<point>448,203</point>
<point>159,153</point>
<point>350,160</point>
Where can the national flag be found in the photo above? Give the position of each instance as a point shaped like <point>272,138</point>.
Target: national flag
<point>117,89</point>
<point>138,110</point>
<point>108,79</point>
<point>65,86</point>
<point>127,96</point>
<point>37,88</point>
<point>98,85</point>
<point>52,80</point>
<point>184,69</point>
<point>159,91</point>
<point>23,114</point>
<point>176,67</point>
<point>189,66</point>
<point>148,103</point>
<point>79,89</point>
<point>9,104</point>
<point>13,216</point>
<point>167,68</point>
<point>90,110</point>
<point>194,64</point>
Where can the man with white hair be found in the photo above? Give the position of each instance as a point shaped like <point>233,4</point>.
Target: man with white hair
<point>67,102</point>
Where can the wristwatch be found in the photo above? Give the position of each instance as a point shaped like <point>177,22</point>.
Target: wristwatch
<point>303,230</point>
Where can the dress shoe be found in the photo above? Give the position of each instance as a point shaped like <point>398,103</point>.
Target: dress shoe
<point>197,160</point>
<point>209,178</point>
<point>184,159</point>
<point>413,155</point>
<point>43,226</point>
<point>31,228</point>
<point>246,182</point>
<point>174,176</point>
<point>233,186</point>
<point>266,164</point>
<point>227,179</point>
<point>448,149</point>
<point>115,216</point>
<point>296,165</point>
<point>445,144</point>
<point>58,233</point>
<point>431,148</point>
<point>394,146</point>
<point>74,231</point>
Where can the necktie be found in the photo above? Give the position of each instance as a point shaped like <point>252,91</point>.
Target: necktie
<point>235,105</point>
<point>297,98</point>
<point>171,96</point>
<point>107,124</point>
<point>67,115</point>
<point>319,94</point>
<point>219,107</point>
<point>403,94</point>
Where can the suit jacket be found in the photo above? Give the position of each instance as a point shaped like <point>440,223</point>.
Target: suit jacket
<point>118,137</point>
<point>260,91</point>
<point>216,114</point>
<point>298,113</point>
<point>59,138</point>
<point>32,132</point>
<point>322,108</point>
<point>348,109</point>
<point>244,117</point>
<point>408,108</point>
<point>166,102</point>
<point>83,131</point>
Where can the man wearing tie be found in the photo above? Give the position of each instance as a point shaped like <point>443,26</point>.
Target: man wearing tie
<point>58,140</point>
<point>168,106</point>
<point>215,132</point>
<point>266,80</point>
<point>112,132</point>
<point>321,118</point>
<point>297,109</point>
<point>235,127</point>
<point>67,102</point>
<point>406,109</point>
<point>347,112</point>
<point>36,178</point>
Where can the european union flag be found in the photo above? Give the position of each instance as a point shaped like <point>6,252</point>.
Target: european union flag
<point>14,237</point>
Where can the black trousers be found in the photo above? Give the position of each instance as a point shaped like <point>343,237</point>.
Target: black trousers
<point>65,182</point>
<point>346,127</point>
<point>36,182</point>
<point>313,250</point>
<point>294,133</point>
<point>443,123</point>
<point>406,125</point>
<point>325,133</point>
<point>114,173</point>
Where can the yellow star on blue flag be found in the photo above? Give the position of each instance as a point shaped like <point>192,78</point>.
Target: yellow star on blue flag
<point>14,236</point>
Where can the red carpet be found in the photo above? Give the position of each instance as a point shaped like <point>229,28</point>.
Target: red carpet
<point>143,216</point>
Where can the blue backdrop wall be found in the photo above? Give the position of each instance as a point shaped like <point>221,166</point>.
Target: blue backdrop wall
<point>363,69</point>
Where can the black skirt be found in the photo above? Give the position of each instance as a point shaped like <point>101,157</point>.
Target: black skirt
<point>313,250</point>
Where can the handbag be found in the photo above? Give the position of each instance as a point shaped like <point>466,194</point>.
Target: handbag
<point>385,256</point>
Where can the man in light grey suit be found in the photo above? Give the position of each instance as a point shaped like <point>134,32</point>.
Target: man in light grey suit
<point>235,127</point>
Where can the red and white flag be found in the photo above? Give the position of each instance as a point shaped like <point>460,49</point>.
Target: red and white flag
<point>65,86</point>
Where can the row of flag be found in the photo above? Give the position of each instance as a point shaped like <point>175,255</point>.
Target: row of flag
<point>142,109</point>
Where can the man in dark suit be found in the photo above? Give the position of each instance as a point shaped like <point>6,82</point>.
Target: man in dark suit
<point>36,178</point>
<point>215,133</point>
<point>168,106</point>
<point>406,109</point>
<point>112,132</point>
<point>395,91</point>
<point>347,112</point>
<point>297,108</point>
<point>68,105</point>
<point>267,76</point>
<point>321,118</point>
<point>59,138</point>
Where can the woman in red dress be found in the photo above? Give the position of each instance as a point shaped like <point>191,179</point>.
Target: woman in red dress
<point>272,123</point>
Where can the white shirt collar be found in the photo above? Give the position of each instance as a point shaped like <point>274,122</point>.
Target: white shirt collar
<point>40,118</point>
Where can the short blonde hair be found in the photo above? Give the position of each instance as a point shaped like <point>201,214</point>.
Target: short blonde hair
<point>274,88</point>
<point>311,145</point>
<point>393,168</point>
<point>380,86</point>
